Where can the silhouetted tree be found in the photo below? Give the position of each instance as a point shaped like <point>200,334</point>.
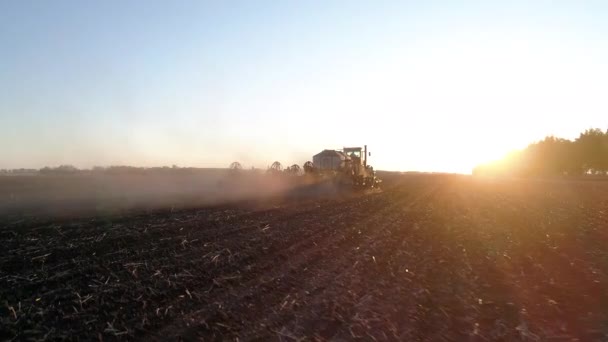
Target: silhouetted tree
<point>294,169</point>
<point>235,166</point>
<point>593,150</point>
<point>309,167</point>
<point>555,156</point>
<point>61,169</point>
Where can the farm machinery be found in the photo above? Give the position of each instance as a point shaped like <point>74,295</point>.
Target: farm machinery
<point>346,167</point>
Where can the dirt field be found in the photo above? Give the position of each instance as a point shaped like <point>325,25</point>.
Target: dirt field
<point>430,258</point>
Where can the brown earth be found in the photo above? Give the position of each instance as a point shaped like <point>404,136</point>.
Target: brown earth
<point>432,258</point>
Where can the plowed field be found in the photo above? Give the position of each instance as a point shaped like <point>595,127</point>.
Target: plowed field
<point>430,258</point>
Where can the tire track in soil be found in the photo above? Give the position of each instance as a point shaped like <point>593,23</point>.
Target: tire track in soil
<point>289,241</point>
<point>321,270</point>
<point>317,285</point>
<point>345,310</point>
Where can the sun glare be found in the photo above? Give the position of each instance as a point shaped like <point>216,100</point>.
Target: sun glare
<point>462,99</point>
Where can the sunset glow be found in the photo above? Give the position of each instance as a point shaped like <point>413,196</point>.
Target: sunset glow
<point>427,90</point>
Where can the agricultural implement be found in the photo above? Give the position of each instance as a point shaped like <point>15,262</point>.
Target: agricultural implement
<point>345,167</point>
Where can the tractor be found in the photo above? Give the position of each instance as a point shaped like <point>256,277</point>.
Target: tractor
<point>345,167</point>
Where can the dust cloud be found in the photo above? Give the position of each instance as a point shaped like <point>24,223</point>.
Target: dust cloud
<point>86,194</point>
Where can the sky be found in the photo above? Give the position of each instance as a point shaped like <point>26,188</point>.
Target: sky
<point>428,86</point>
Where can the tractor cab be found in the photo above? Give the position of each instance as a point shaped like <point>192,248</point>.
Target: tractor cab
<point>354,154</point>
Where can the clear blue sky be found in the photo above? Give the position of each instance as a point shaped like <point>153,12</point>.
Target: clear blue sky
<point>432,86</point>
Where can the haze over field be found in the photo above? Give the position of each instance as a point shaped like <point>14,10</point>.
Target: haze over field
<point>429,87</point>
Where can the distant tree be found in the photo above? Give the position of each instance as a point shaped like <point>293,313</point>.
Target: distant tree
<point>235,166</point>
<point>592,147</point>
<point>61,169</point>
<point>294,169</point>
<point>309,167</point>
<point>555,156</point>
<point>129,170</point>
<point>276,167</point>
<point>66,169</point>
<point>551,156</point>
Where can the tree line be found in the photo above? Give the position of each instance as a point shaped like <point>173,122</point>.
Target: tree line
<point>552,156</point>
